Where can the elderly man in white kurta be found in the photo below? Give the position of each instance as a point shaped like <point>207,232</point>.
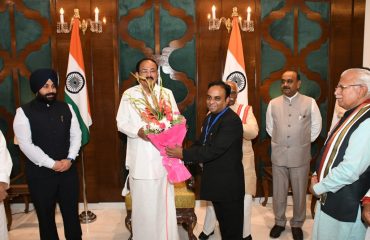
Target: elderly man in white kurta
<point>153,204</point>
<point>342,176</point>
<point>293,121</point>
<point>5,169</point>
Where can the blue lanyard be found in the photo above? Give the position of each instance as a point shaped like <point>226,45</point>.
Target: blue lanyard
<point>213,123</point>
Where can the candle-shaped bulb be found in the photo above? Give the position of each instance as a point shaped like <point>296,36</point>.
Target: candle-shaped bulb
<point>61,11</point>
<point>249,13</point>
<point>104,20</point>
<point>96,14</point>
<point>213,12</point>
<point>209,16</point>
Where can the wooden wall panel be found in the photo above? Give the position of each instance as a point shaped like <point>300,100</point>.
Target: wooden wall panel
<point>346,41</point>
<point>212,47</point>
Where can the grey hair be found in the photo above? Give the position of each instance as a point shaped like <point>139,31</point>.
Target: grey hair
<point>362,77</point>
<point>232,82</point>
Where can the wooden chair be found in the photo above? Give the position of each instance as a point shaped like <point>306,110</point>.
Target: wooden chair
<point>184,202</point>
<point>18,188</point>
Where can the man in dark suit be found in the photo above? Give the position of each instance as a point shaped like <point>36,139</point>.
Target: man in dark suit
<point>48,133</point>
<point>220,150</point>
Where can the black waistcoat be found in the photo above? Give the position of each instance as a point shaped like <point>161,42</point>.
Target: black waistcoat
<point>343,205</point>
<point>50,128</point>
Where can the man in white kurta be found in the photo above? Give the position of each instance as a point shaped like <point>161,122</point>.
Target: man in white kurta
<point>343,169</point>
<point>5,169</point>
<point>153,204</point>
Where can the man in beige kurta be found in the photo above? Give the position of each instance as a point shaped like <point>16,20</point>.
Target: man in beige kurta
<point>293,121</point>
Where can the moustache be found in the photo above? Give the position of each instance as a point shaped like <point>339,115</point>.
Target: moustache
<point>50,95</point>
<point>150,78</point>
<point>286,87</point>
<point>47,98</point>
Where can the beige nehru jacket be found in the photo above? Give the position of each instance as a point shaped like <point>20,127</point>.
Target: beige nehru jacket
<point>296,122</point>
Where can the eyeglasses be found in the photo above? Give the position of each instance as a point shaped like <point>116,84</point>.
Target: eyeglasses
<point>146,71</point>
<point>342,87</point>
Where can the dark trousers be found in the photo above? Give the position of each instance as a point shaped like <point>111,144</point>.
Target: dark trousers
<point>230,218</point>
<point>61,188</point>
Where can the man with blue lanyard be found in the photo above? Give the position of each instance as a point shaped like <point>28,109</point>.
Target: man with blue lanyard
<point>220,150</point>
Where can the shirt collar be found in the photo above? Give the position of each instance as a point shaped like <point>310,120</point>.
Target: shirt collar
<point>291,98</point>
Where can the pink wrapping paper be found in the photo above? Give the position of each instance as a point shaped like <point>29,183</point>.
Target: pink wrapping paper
<point>176,170</point>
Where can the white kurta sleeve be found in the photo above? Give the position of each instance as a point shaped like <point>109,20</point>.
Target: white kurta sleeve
<point>269,120</point>
<point>316,121</point>
<point>6,163</point>
<point>125,120</point>
<point>22,131</point>
<point>250,128</point>
<point>75,136</point>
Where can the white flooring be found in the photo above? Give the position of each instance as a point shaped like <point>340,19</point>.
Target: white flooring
<point>110,222</point>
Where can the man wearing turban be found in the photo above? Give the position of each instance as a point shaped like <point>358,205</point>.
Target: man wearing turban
<point>49,135</point>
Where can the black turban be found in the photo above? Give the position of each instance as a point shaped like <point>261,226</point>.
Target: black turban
<point>39,77</point>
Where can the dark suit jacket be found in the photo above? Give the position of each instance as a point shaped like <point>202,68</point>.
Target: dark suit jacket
<point>221,155</point>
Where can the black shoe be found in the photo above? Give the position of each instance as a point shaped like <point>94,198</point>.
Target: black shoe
<point>203,236</point>
<point>276,231</point>
<point>248,238</point>
<point>297,233</point>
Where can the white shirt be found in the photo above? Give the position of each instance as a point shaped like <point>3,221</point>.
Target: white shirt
<point>315,119</point>
<point>6,163</point>
<point>142,158</point>
<point>23,134</point>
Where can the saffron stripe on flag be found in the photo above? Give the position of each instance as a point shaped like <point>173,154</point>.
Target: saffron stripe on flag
<point>234,64</point>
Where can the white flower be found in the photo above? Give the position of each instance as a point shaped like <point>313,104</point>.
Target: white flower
<point>154,127</point>
<point>166,123</point>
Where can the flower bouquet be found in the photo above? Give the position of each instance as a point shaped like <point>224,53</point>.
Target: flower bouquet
<point>164,127</point>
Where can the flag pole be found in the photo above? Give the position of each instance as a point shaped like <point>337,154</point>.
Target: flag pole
<point>76,95</point>
<point>86,216</point>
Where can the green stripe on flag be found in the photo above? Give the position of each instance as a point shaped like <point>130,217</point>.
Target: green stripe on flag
<point>83,127</point>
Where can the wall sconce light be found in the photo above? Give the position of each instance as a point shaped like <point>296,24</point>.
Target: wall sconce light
<point>214,23</point>
<point>95,26</point>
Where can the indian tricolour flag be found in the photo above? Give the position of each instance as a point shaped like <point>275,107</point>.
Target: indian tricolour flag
<point>234,66</point>
<point>75,92</point>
